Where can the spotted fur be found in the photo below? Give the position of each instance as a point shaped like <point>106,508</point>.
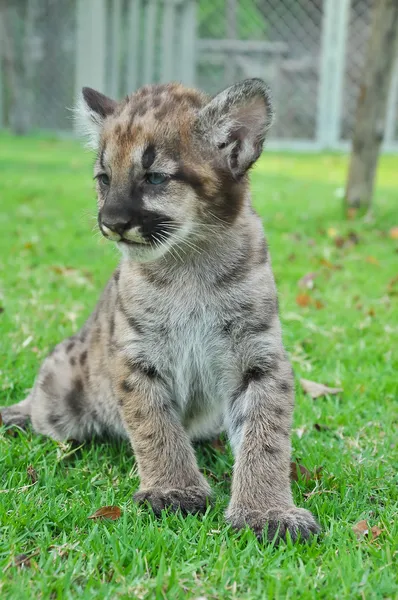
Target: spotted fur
<point>185,341</point>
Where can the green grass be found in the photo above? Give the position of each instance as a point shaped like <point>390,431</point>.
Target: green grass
<point>47,204</point>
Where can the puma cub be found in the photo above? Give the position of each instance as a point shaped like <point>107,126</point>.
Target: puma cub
<point>185,341</point>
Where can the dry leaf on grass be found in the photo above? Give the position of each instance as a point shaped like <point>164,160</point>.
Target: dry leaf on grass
<point>339,241</point>
<point>376,531</point>
<point>372,260</point>
<point>32,474</point>
<point>315,390</point>
<point>362,528</point>
<point>107,512</point>
<point>1,420</point>
<point>22,560</point>
<point>392,287</point>
<point>78,276</point>
<point>307,281</point>
<point>297,471</point>
<point>329,265</point>
<point>303,299</point>
<point>218,444</point>
<point>393,233</point>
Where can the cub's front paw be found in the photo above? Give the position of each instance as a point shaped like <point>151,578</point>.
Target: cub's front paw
<point>188,500</point>
<point>276,521</point>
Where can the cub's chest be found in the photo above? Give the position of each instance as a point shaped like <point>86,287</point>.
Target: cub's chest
<point>195,353</point>
<point>189,339</point>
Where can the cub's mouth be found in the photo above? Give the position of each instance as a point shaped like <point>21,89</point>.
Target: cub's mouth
<point>135,243</point>
<point>145,229</point>
<point>132,237</point>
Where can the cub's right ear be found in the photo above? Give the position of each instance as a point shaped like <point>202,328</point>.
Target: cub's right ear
<point>90,112</point>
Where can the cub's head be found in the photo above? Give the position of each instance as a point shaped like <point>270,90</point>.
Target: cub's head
<point>171,163</point>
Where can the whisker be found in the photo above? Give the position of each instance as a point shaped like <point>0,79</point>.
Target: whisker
<point>173,248</point>
<point>164,245</point>
<point>218,218</point>
<point>187,243</point>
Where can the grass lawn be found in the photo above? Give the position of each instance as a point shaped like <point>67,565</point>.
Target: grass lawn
<point>341,333</point>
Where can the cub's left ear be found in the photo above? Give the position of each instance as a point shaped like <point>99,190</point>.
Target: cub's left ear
<point>235,122</point>
<point>90,113</point>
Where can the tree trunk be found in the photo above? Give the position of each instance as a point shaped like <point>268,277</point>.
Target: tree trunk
<point>372,103</point>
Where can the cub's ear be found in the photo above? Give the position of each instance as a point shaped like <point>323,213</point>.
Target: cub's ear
<point>235,123</point>
<point>90,112</point>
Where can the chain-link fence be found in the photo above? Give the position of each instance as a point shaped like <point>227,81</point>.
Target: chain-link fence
<point>38,61</point>
<point>277,41</point>
<point>310,52</point>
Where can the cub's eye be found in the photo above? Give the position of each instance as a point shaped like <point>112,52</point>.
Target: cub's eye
<point>103,179</point>
<point>156,178</point>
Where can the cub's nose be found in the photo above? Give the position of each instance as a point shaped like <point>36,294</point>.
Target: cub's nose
<point>112,228</point>
<point>110,233</point>
<point>123,232</point>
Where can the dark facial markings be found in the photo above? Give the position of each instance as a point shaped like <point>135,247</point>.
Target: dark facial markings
<point>188,176</point>
<point>101,159</point>
<point>148,156</point>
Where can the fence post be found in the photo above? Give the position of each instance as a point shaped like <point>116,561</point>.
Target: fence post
<point>115,48</point>
<point>90,45</point>
<point>332,64</point>
<point>188,42</point>
<point>231,17</point>
<point>150,41</point>
<point>168,45</point>
<point>133,45</point>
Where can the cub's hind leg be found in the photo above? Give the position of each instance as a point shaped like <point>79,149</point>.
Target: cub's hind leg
<point>58,405</point>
